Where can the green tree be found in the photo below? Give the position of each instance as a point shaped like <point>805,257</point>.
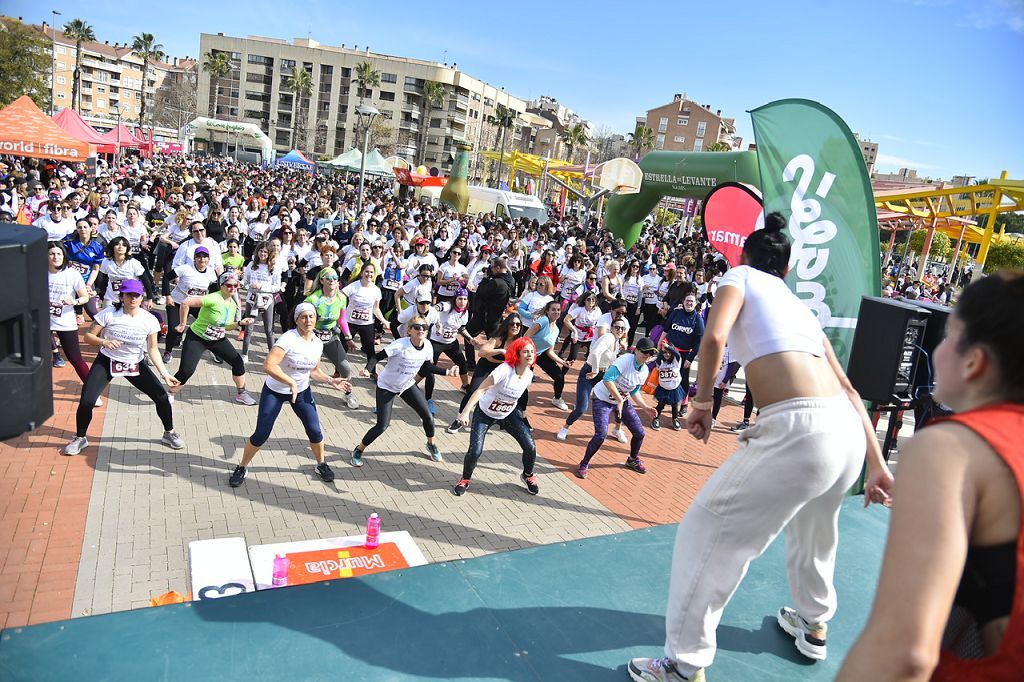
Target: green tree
<point>503,119</point>
<point>145,47</point>
<point>218,65</point>
<point>25,57</point>
<point>366,77</point>
<point>941,246</point>
<point>1014,222</point>
<point>301,84</point>
<point>718,147</point>
<point>574,137</point>
<point>80,32</point>
<point>641,140</point>
<point>1005,255</point>
<point>433,96</point>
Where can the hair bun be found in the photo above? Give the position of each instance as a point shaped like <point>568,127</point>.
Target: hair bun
<point>774,222</point>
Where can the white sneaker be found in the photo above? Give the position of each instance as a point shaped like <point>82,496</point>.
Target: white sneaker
<point>77,444</point>
<point>560,404</point>
<point>810,639</point>
<point>620,435</point>
<point>351,401</point>
<point>563,433</point>
<point>245,358</point>
<point>99,402</point>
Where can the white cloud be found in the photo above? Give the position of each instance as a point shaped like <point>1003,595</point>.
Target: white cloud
<point>901,162</point>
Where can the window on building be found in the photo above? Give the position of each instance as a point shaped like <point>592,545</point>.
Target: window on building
<point>237,56</point>
<point>61,95</point>
<point>435,123</point>
<point>387,96</point>
<point>287,64</point>
<point>488,101</point>
<point>61,49</point>
<point>389,78</point>
<point>679,139</point>
<point>701,127</point>
<point>259,59</point>
<point>661,142</point>
<point>101,88</point>
<point>346,72</point>
<point>61,80</point>
<point>663,124</point>
<point>61,65</point>
<point>683,121</point>
<point>101,103</point>
<point>698,145</point>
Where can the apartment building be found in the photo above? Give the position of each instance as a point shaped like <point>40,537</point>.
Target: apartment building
<point>112,85</point>
<point>870,151</point>
<point>547,140</point>
<point>682,125</point>
<point>256,92</point>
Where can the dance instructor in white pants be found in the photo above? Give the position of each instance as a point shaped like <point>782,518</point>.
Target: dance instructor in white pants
<point>791,472</point>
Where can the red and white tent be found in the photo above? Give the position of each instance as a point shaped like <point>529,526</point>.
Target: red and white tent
<point>75,125</point>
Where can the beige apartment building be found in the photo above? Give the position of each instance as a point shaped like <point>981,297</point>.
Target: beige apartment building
<point>256,92</point>
<point>112,83</point>
<point>870,151</point>
<point>682,125</point>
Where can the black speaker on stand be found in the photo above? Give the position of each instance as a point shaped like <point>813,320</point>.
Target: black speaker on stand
<point>26,377</point>
<point>925,407</point>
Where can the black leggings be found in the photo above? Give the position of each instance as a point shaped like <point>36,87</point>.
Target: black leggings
<point>173,320</point>
<point>454,351</point>
<point>412,397</point>
<point>99,377</point>
<point>652,318</point>
<point>633,315</point>
<point>551,368</point>
<point>366,334</point>
<point>268,326</point>
<point>748,405</point>
<point>193,350</point>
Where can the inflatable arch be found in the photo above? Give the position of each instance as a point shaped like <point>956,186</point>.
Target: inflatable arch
<point>685,175</point>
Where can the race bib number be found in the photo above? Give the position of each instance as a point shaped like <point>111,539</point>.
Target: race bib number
<point>259,301</point>
<point>359,315</point>
<point>449,334</point>
<point>115,285</point>
<point>501,407</point>
<point>80,267</point>
<point>391,284</point>
<point>124,369</point>
<point>215,333</point>
<point>135,250</point>
<point>324,335</point>
<point>56,309</point>
<point>196,291</point>
<point>667,374</point>
<point>631,297</point>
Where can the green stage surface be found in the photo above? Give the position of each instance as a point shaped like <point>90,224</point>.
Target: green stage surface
<point>573,611</point>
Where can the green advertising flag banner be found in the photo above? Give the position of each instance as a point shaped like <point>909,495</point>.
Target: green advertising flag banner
<point>812,170</point>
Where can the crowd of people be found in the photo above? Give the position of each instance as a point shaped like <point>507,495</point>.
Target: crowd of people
<point>190,255</point>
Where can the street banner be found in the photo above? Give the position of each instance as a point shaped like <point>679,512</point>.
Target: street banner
<point>812,170</point>
<point>730,214</point>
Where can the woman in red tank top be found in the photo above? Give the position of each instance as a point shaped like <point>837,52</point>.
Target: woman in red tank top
<point>958,501</point>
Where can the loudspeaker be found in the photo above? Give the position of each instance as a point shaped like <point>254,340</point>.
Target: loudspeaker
<point>884,356</point>
<point>26,377</point>
<point>938,315</point>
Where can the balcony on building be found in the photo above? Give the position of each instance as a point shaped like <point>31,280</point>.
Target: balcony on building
<point>460,102</point>
<point>411,126</point>
<point>457,116</point>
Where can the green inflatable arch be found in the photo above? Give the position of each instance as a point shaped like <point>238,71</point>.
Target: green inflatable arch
<point>686,175</point>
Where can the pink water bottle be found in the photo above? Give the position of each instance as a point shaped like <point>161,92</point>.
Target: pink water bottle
<point>280,578</point>
<point>372,531</point>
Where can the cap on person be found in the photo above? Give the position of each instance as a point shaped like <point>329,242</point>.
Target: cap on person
<point>424,297</point>
<point>132,286</point>
<point>420,240</point>
<point>303,308</point>
<point>645,345</point>
<point>228,277</point>
<point>201,251</point>
<point>461,291</point>
<point>670,266</point>
<point>486,249</point>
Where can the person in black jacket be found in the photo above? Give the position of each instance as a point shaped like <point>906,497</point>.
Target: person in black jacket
<point>489,304</point>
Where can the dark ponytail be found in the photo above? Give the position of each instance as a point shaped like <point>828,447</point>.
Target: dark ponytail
<point>992,313</point>
<point>768,249</point>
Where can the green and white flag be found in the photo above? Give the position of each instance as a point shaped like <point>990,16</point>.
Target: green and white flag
<point>812,170</point>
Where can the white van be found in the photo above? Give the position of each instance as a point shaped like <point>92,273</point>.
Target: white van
<point>511,205</point>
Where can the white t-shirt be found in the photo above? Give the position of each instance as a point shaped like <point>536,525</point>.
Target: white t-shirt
<point>360,302</point>
<point>132,331</point>
<point>629,380</point>
<point>651,284</point>
<point>406,315</point>
<point>585,322</point>
<point>404,362</point>
<point>411,290</point>
<point>64,284</point>
<point>501,399</point>
<point>605,321</point>
<point>450,321</point>
<point>772,319</point>
<point>447,271</point>
<point>569,279</point>
<point>55,231</point>
<point>191,282</point>
<point>413,263</point>
<point>670,373</point>
<point>631,290</point>
<point>300,358</point>
<point>186,253</point>
<point>116,274</point>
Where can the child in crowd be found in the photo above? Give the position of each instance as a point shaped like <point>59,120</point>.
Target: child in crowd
<point>670,390</point>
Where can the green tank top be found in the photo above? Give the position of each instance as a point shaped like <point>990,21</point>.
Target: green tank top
<point>327,312</point>
<point>215,316</point>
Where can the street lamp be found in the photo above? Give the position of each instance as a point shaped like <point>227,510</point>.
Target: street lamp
<point>53,59</point>
<point>366,115</point>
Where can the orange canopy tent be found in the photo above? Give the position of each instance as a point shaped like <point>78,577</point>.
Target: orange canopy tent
<point>27,131</point>
<point>73,123</point>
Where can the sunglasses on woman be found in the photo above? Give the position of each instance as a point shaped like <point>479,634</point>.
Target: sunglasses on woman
<point>329,278</point>
<point>418,327</point>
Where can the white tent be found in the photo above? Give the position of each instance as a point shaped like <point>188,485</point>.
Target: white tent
<point>245,131</point>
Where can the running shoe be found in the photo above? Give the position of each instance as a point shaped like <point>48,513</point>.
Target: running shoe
<point>167,357</point>
<point>172,440</point>
<point>454,427</point>
<point>560,404</point>
<point>684,409</point>
<point>77,444</point>
<point>431,406</point>
<point>99,402</point>
<point>810,639</point>
<point>58,361</point>
<point>357,458</point>
<point>237,476</point>
<point>582,470</point>
<point>460,487</point>
<point>434,453</point>
<point>351,401</point>
<point>656,423</point>
<point>620,435</point>
<point>531,483</point>
<point>244,398</point>
<point>742,426</point>
<point>678,425</point>
<point>325,472</point>
<point>245,358</point>
<point>563,433</point>
<point>636,465</point>
<point>659,670</point>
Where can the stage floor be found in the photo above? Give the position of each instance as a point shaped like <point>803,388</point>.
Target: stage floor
<point>569,611</point>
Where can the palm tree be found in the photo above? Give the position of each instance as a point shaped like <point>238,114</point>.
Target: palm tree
<point>503,119</point>
<point>145,46</point>
<point>719,147</point>
<point>641,140</point>
<point>433,96</point>
<point>366,77</point>
<point>81,32</point>
<point>301,84</point>
<point>574,137</point>
<point>218,65</point>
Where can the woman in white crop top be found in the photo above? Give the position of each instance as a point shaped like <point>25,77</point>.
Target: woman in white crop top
<point>791,472</point>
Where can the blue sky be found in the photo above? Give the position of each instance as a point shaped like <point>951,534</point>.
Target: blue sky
<point>937,83</point>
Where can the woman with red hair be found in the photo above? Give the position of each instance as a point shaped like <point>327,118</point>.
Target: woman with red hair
<point>496,401</point>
